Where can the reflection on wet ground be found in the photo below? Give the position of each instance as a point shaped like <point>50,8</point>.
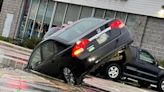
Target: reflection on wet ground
<point>17,80</point>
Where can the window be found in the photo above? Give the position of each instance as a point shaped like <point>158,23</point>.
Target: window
<point>72,13</point>
<point>41,10</point>
<point>146,57</point>
<point>39,19</point>
<point>109,14</point>
<point>86,12</point>
<point>79,28</point>
<point>31,27</point>
<point>35,58</point>
<point>48,49</point>
<point>23,19</point>
<point>1,2</point>
<point>49,11</point>
<point>99,13</point>
<point>59,14</point>
<point>121,16</point>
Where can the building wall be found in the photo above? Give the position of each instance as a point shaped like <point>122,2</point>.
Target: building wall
<point>148,32</point>
<point>153,39</point>
<point>12,7</point>
<point>143,7</point>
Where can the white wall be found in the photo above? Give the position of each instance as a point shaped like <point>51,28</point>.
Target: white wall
<point>143,7</point>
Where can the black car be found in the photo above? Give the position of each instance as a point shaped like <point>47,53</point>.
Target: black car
<point>75,50</point>
<point>135,63</point>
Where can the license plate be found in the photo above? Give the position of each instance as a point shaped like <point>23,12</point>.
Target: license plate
<point>102,38</point>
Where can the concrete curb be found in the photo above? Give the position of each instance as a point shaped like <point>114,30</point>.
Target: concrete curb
<point>15,46</point>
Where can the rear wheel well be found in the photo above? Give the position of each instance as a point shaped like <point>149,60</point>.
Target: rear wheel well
<point>162,76</point>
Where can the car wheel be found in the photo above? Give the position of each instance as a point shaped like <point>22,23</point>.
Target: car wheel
<point>161,85</point>
<point>143,84</point>
<point>69,76</point>
<point>113,71</point>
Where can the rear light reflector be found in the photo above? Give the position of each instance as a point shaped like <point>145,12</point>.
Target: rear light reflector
<point>117,24</point>
<point>79,47</point>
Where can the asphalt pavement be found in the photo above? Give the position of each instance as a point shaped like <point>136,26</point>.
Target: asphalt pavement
<point>13,79</point>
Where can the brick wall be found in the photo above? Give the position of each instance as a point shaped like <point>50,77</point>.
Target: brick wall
<point>136,25</point>
<point>153,39</point>
<point>12,7</point>
<point>148,33</point>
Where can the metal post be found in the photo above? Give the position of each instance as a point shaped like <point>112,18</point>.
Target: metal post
<point>65,12</point>
<point>104,14</point>
<point>115,14</point>
<point>144,30</point>
<point>34,20</point>
<point>19,19</point>
<point>93,12</point>
<point>79,12</point>
<point>24,30</point>
<point>126,18</point>
<point>52,16</point>
<point>43,18</point>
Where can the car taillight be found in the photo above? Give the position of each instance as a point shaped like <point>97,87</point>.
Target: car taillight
<point>79,47</point>
<point>116,24</point>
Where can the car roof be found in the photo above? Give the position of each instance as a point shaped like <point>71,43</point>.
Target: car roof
<point>55,35</point>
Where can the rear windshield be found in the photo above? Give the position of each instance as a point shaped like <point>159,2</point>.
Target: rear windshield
<point>79,28</point>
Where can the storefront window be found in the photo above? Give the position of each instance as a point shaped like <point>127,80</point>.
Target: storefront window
<point>47,17</point>
<point>23,19</point>
<point>72,13</point>
<point>86,12</point>
<point>99,13</point>
<point>59,14</point>
<point>109,14</point>
<point>31,27</point>
<point>121,16</point>
<point>40,17</point>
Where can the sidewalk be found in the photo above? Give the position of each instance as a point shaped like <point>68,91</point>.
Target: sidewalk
<point>15,46</point>
<point>13,56</point>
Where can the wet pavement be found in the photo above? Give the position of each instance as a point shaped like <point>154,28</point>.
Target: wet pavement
<point>17,81</point>
<point>13,79</point>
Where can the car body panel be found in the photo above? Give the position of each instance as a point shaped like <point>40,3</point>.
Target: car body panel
<point>140,69</point>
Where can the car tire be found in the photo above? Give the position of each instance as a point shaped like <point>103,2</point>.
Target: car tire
<point>113,71</point>
<point>161,85</point>
<point>70,78</point>
<point>143,84</point>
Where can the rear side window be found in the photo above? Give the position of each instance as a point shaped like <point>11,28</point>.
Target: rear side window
<point>48,49</point>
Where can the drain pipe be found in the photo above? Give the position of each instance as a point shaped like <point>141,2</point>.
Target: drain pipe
<point>144,31</point>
